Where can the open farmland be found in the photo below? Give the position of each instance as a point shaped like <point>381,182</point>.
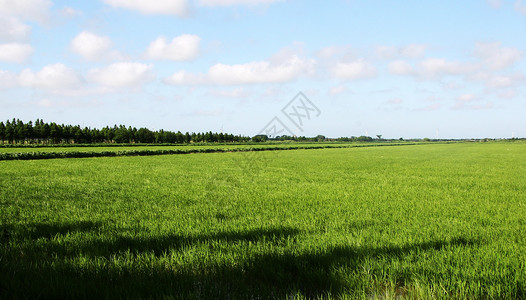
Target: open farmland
<point>436,220</point>
<point>118,147</point>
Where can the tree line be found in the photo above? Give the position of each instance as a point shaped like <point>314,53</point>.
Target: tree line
<point>40,132</point>
<point>16,131</point>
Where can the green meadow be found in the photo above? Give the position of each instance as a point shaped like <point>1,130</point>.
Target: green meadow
<point>402,222</point>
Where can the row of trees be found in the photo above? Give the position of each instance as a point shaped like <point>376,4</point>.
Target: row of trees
<point>40,132</point>
<point>16,131</point>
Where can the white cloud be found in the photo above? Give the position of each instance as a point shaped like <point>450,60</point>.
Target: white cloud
<point>336,90</point>
<point>501,81</point>
<point>185,78</point>
<point>70,12</point>
<point>330,55</point>
<point>488,105</point>
<point>7,79</point>
<point>162,7</point>
<point>520,7</point>
<point>497,57</point>
<point>260,71</point>
<point>495,3</point>
<point>284,66</point>
<point>12,29</point>
<point>94,47</point>
<point>431,107</point>
<point>35,10</point>
<point>434,67</point>
<point>411,51</point>
<point>235,93</point>
<point>394,101</point>
<point>234,2</point>
<point>123,74</point>
<point>466,98</point>
<point>508,94</point>
<point>181,48</point>
<point>400,67</point>
<point>53,77</point>
<point>358,69</point>
<point>15,53</point>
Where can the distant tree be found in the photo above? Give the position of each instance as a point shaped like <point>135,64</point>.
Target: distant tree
<point>260,138</point>
<point>379,136</point>
<point>320,138</point>
<point>364,139</point>
<point>122,135</point>
<point>2,132</point>
<point>145,135</point>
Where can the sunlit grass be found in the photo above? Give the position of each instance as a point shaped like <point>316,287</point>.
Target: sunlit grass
<point>443,221</point>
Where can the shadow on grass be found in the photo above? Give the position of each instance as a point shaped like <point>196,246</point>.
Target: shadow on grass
<point>27,273</point>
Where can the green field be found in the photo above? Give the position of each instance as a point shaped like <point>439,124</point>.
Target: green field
<point>29,148</point>
<point>426,221</point>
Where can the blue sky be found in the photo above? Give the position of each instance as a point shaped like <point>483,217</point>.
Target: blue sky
<point>447,69</point>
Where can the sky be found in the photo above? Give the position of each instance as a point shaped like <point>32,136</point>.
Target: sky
<point>407,68</point>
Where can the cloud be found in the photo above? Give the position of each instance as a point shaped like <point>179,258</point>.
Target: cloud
<point>466,98</point>
<point>508,94</point>
<point>431,107</point>
<point>502,81</point>
<point>331,51</point>
<point>282,67</point>
<point>34,10</point>
<point>123,74</point>
<point>496,57</point>
<point>93,47</point>
<point>186,78</point>
<point>488,105</point>
<point>498,81</point>
<point>181,48</point>
<point>494,3</point>
<point>434,67</point>
<point>282,70</point>
<point>7,79</point>
<point>411,51</point>
<point>520,7</point>
<point>153,7</point>
<point>234,2</point>
<point>11,29</point>
<point>358,69</point>
<point>394,101</point>
<point>400,67</point>
<point>70,12</point>
<point>53,77</point>
<point>336,90</point>
<point>235,93</point>
<point>15,53</point>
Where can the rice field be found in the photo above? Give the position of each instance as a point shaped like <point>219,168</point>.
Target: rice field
<point>413,222</point>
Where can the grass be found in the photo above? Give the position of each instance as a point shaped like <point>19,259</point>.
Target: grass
<point>117,147</point>
<point>53,152</point>
<point>428,221</point>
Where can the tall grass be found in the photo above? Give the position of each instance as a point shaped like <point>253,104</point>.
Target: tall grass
<point>434,221</point>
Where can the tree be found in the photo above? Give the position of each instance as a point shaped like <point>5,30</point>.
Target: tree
<point>320,138</point>
<point>122,135</point>
<point>2,132</point>
<point>379,136</point>
<point>145,135</point>
<point>364,138</point>
<point>260,138</point>
<point>8,132</point>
